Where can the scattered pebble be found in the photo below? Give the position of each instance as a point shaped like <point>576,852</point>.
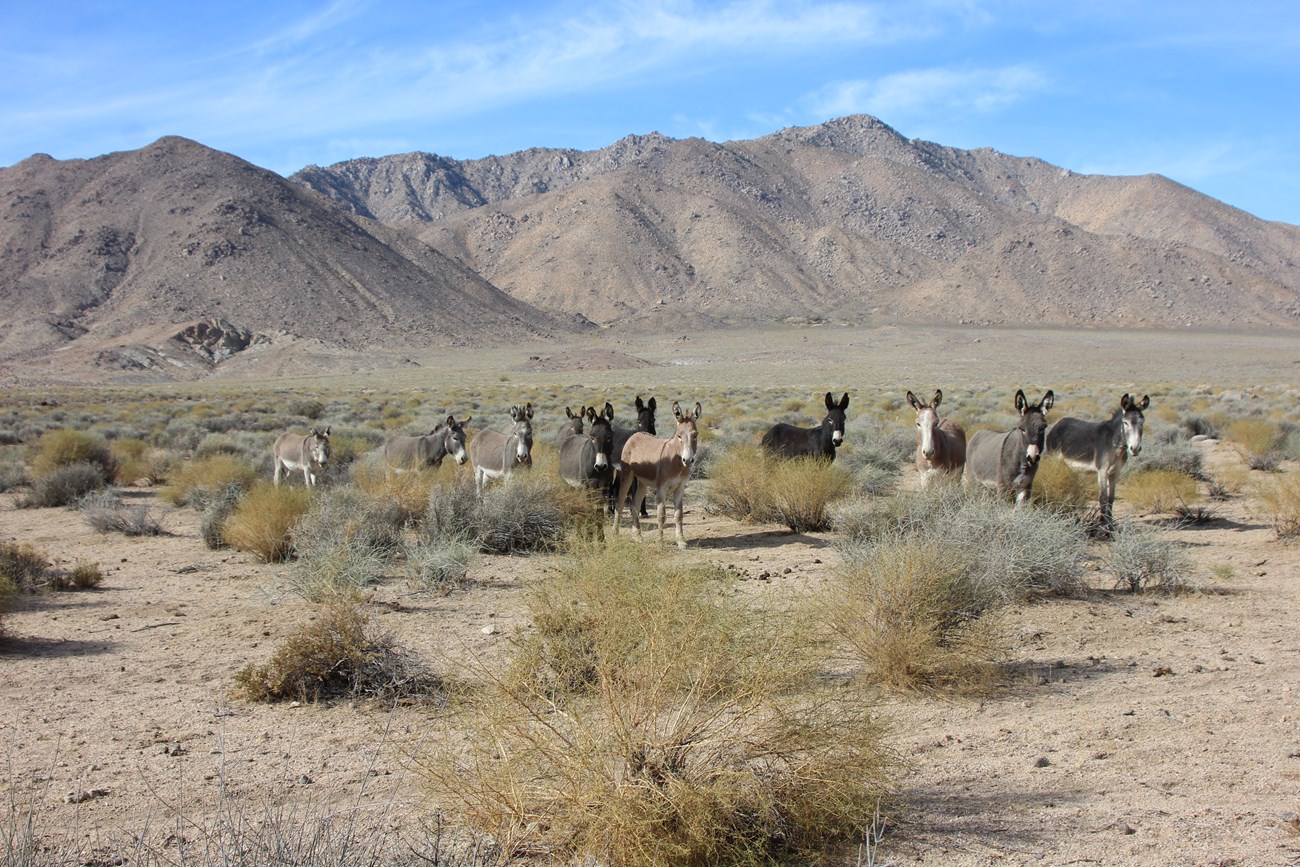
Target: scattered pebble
<point>1042,762</point>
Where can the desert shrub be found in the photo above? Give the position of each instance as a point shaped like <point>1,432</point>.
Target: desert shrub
<point>136,460</point>
<point>740,485</point>
<point>1018,549</point>
<point>439,564</point>
<point>1059,486</point>
<point>216,510</point>
<point>308,408</point>
<point>220,444</point>
<point>86,576</point>
<point>13,474</point>
<point>194,482</point>
<point>1144,559</point>
<point>409,490</point>
<point>1195,425</point>
<point>63,486</point>
<point>24,566</point>
<point>8,589</point>
<point>337,653</point>
<point>263,520</point>
<point>63,447</point>
<point>1176,456</point>
<point>875,455</point>
<point>750,484</point>
<point>803,491</point>
<point>1279,500</point>
<point>691,730</point>
<point>526,512</point>
<point>918,616</point>
<point>1162,491</point>
<point>344,542</point>
<point>1259,441</point>
<point>105,512</point>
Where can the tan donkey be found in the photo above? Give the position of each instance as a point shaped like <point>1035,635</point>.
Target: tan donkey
<point>660,464</point>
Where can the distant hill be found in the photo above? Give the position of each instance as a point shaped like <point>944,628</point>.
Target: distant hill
<point>177,233</point>
<point>177,260</point>
<point>843,219</point>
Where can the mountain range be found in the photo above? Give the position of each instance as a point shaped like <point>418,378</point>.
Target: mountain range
<point>131,262</point>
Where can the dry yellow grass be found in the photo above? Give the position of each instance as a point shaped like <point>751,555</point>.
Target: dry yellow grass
<point>263,520</point>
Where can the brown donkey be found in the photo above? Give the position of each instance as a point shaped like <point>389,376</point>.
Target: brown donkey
<point>940,444</point>
<point>663,465</point>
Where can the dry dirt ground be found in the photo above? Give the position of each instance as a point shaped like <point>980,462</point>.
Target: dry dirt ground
<point>1137,730</point>
<point>116,717</point>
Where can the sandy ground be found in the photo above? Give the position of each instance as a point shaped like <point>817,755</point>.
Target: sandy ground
<point>1144,730</point>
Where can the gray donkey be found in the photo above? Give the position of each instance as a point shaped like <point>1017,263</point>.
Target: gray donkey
<point>1008,461</point>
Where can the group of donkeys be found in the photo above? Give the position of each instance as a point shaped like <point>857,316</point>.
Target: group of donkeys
<point>597,454</point>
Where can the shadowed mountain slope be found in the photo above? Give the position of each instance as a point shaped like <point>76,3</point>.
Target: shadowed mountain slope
<point>176,233</point>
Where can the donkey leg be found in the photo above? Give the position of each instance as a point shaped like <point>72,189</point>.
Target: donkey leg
<point>677,514</point>
<point>277,472</point>
<point>661,512</point>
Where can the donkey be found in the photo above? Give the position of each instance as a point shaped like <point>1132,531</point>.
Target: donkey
<point>446,439</point>
<point>645,422</point>
<point>585,457</point>
<point>1103,446</point>
<point>788,441</point>
<point>1008,461</point>
<point>663,465</point>
<point>940,445</point>
<point>308,453</point>
<point>496,455</point>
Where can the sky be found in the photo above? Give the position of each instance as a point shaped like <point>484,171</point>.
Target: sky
<point>1206,93</point>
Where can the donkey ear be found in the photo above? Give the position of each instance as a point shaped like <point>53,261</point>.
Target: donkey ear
<point>652,404</point>
<point>639,404</point>
<point>1144,402</point>
<point>514,413</point>
<point>698,409</point>
<point>609,411</point>
<point>311,432</point>
<point>528,411</point>
<point>677,411</point>
<point>466,420</point>
<point>590,413</point>
<point>937,399</point>
<point>451,421</point>
<point>1047,401</point>
<point>913,402</point>
<point>1126,402</point>
<point>844,402</point>
<point>830,401</point>
<point>1021,401</point>
<point>327,430</point>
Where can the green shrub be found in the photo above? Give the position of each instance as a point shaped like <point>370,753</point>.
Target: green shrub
<point>1161,491</point>
<point>1280,502</point>
<point>87,575</point>
<point>344,542</point>
<point>63,486</point>
<point>337,653</point>
<point>526,512</point>
<point>1058,486</point>
<point>1144,559</point>
<point>63,447</point>
<point>1020,550</point>
<point>654,720</point>
<point>917,616</point>
<point>194,482</point>
<point>217,509</point>
<point>1259,441</point>
<point>263,520</point>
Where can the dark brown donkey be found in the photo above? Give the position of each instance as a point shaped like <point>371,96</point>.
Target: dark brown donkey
<point>645,422</point>
<point>661,465</point>
<point>789,441</point>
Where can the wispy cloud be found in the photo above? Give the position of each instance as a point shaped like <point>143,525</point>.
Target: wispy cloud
<point>914,93</point>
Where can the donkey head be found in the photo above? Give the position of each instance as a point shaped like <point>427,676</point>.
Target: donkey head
<point>1033,423</point>
<point>1133,421</point>
<point>575,419</point>
<point>686,432</point>
<point>523,419</point>
<point>835,418</point>
<point>602,433</point>
<point>645,415</point>
<point>318,446</point>
<point>927,419</point>
<point>453,437</point>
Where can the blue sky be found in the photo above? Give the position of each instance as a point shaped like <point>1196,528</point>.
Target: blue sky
<point>1207,93</point>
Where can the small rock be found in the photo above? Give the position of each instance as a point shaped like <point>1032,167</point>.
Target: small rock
<point>295,704</point>
<point>1293,754</point>
<point>1042,762</point>
<point>305,780</point>
<point>490,629</point>
<point>1162,671</point>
